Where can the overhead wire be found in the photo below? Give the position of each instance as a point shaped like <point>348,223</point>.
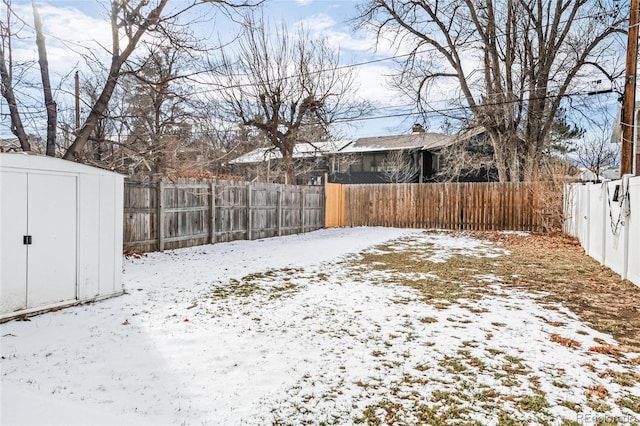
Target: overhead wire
<point>380,60</point>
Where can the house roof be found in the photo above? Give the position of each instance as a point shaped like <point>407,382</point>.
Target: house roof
<point>616,131</point>
<point>421,141</point>
<point>399,142</point>
<point>301,150</point>
<point>606,173</point>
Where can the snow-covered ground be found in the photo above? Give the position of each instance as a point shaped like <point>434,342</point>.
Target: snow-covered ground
<point>294,330</point>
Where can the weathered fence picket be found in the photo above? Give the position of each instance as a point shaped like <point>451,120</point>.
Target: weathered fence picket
<point>173,214</point>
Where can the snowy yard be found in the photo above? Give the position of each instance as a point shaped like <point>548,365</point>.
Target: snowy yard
<point>338,326</point>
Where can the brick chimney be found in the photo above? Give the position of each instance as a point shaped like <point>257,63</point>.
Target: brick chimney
<point>417,128</point>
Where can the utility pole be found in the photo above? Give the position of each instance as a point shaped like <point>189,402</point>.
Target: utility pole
<point>629,102</point>
<point>77,103</point>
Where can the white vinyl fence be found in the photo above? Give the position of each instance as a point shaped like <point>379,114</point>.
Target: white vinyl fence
<point>605,217</point>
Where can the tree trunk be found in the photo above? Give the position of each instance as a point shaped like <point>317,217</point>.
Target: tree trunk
<point>118,59</point>
<point>289,169</point>
<point>17,128</point>
<point>52,111</point>
<point>73,153</point>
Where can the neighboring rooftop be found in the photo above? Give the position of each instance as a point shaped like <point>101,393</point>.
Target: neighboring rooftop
<point>417,140</point>
<point>301,150</point>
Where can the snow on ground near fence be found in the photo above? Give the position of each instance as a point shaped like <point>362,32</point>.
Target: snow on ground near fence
<point>292,330</point>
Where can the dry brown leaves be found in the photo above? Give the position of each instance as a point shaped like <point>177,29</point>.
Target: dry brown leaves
<point>557,264</point>
<point>598,390</point>
<point>565,341</point>
<point>606,350</point>
<point>133,253</point>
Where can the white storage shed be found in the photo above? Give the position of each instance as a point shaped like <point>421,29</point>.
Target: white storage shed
<point>60,233</point>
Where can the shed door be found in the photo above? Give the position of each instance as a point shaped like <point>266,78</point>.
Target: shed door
<point>52,223</point>
<point>13,227</point>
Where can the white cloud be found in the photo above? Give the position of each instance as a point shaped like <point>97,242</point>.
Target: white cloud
<point>304,2</point>
<point>69,34</point>
<point>317,24</point>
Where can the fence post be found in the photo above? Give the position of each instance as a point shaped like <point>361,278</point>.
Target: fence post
<point>212,212</point>
<point>279,210</point>
<point>160,199</point>
<point>249,210</point>
<point>323,204</point>
<point>302,209</point>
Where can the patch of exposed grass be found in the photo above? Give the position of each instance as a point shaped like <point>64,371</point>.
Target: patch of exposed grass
<point>436,416</point>
<point>623,378</point>
<point>598,406</point>
<point>513,359</point>
<point>422,367</point>
<point>441,396</point>
<point>507,419</point>
<point>570,405</point>
<point>515,368</point>
<point>452,365</point>
<point>441,283</point>
<point>273,284</point>
<point>568,422</point>
<point>486,395</point>
<point>559,384</point>
<point>510,382</point>
<point>630,402</point>
<point>235,288</point>
<point>535,403</point>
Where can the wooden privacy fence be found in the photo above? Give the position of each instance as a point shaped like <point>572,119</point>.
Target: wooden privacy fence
<point>472,206</point>
<point>334,207</point>
<point>168,215</point>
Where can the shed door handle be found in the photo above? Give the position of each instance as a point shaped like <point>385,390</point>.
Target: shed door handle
<point>27,239</point>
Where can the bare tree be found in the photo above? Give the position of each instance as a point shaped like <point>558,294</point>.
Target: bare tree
<point>470,158</point>
<point>133,22</point>
<point>160,112</point>
<point>400,167</point>
<point>286,87</point>
<point>596,153</point>
<point>532,54</point>
<point>6,75</point>
<point>50,104</point>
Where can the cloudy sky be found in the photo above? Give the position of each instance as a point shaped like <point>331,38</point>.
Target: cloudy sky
<point>77,27</point>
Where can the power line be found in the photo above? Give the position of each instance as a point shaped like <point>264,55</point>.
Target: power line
<point>465,108</point>
<point>352,65</point>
